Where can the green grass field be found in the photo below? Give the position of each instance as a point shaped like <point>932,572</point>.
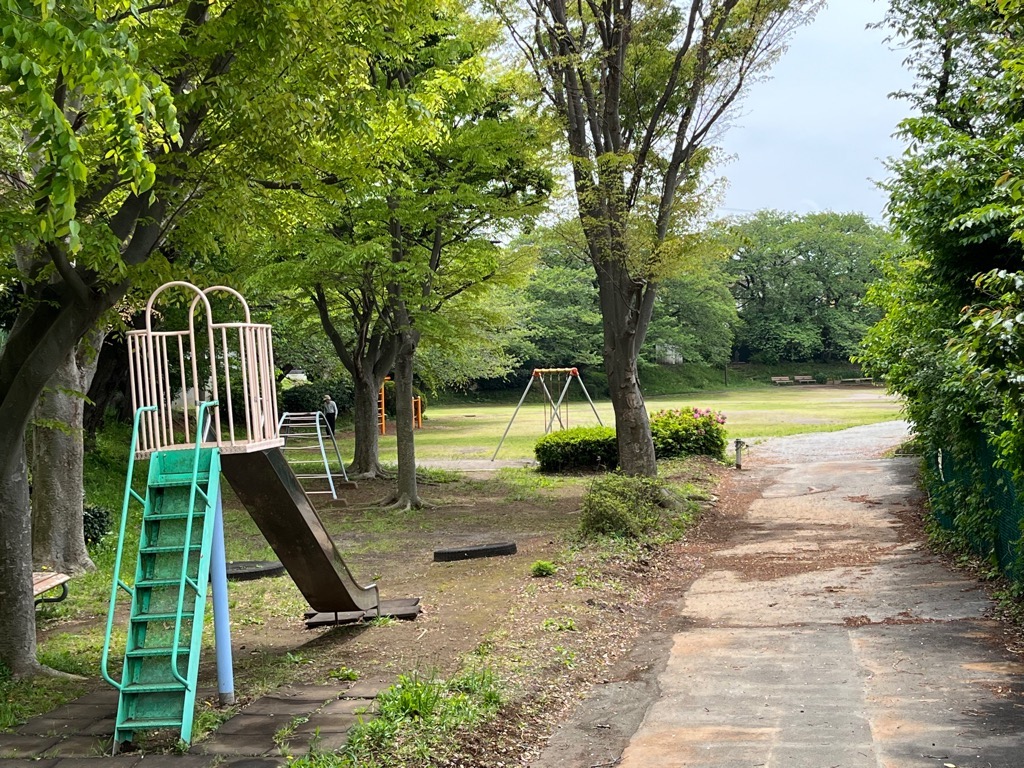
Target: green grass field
<point>473,431</point>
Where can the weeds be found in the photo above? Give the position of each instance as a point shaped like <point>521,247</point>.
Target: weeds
<point>542,569</point>
<point>415,720</point>
<point>524,484</point>
<point>558,625</point>
<point>343,673</point>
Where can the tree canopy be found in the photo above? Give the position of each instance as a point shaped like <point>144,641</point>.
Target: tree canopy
<point>799,284</point>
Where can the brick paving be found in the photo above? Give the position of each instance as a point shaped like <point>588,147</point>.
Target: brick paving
<point>287,722</point>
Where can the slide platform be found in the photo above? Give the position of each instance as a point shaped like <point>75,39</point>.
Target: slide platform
<point>265,483</point>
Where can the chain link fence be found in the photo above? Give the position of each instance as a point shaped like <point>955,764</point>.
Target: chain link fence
<point>959,483</point>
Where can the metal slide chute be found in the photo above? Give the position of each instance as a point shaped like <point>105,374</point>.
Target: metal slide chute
<point>268,488</point>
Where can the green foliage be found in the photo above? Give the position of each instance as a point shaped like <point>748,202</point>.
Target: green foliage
<point>415,720</point>
<point>577,448</point>
<point>624,506</point>
<point>343,673</point>
<point>955,201</point>
<point>558,625</point>
<point>800,281</point>
<point>542,569</point>
<point>697,431</point>
<point>97,521</point>
<point>309,396</point>
<point>389,398</point>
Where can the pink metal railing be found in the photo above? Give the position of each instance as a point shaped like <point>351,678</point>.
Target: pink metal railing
<point>176,370</point>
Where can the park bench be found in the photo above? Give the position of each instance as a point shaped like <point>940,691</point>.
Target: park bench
<point>781,380</point>
<point>46,581</point>
<point>861,380</point>
<point>804,379</point>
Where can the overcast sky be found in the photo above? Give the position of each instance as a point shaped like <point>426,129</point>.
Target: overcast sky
<point>813,138</point>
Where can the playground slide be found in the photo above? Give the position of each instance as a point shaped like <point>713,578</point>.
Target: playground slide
<point>267,486</point>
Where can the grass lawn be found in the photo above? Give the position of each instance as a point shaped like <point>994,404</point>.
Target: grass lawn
<point>473,431</point>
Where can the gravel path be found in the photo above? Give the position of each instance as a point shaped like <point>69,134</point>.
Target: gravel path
<point>867,442</point>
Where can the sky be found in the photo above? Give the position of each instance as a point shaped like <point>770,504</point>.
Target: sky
<point>814,137</point>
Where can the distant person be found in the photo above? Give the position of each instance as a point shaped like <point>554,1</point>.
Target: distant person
<point>330,410</point>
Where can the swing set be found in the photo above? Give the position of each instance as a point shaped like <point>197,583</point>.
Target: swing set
<point>554,410</point>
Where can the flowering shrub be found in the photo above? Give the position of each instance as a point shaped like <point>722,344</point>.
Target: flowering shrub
<point>688,432</point>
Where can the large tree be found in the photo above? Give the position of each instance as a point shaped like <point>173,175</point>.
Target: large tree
<point>641,88</point>
<point>401,250</point>
<point>800,281</point>
<point>126,126</point>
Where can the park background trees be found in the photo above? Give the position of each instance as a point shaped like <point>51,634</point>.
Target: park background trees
<point>640,89</point>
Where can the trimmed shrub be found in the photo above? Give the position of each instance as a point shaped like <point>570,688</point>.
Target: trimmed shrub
<point>620,505</point>
<point>577,448</point>
<point>96,522</point>
<point>688,432</point>
<point>309,397</point>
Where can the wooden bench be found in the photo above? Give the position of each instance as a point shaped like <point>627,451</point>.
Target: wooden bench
<point>45,581</point>
<point>804,379</point>
<point>862,380</point>
<point>781,380</point>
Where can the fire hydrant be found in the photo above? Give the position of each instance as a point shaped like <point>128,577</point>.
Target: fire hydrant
<point>740,445</point>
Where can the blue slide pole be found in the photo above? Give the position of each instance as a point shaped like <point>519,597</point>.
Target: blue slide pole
<point>221,619</point>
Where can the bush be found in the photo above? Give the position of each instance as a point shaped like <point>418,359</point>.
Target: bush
<point>577,448</point>
<point>309,397</point>
<point>389,398</point>
<point>698,431</point>
<point>620,505</point>
<point>96,521</point>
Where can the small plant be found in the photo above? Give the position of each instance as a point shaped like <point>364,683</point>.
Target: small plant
<point>566,657</point>
<point>285,732</point>
<point>620,505</point>
<point>382,621</point>
<point>343,673</point>
<point>297,658</point>
<point>578,448</point>
<point>542,569</point>
<point>558,625</point>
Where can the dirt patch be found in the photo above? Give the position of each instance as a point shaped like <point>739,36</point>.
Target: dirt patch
<point>548,639</point>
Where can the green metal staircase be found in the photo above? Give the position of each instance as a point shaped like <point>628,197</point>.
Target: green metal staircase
<point>168,597</point>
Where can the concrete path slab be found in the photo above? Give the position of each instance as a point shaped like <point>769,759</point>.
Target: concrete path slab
<point>821,635</point>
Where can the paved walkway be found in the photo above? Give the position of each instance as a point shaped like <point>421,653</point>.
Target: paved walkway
<point>819,635</point>
<point>286,723</point>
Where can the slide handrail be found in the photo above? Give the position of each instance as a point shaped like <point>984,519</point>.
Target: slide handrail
<point>117,583</point>
<point>194,490</point>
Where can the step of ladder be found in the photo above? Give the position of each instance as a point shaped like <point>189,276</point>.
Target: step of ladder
<point>166,620</point>
<point>309,442</point>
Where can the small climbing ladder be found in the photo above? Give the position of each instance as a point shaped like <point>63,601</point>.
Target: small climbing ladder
<point>305,445</point>
<point>157,689</point>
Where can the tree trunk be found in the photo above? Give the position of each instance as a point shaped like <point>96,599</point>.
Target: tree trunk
<point>109,388</point>
<point>632,426</point>
<point>58,537</point>
<point>17,609</point>
<point>366,463</point>
<point>407,492</point>
<point>626,306</point>
<point>43,334</point>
